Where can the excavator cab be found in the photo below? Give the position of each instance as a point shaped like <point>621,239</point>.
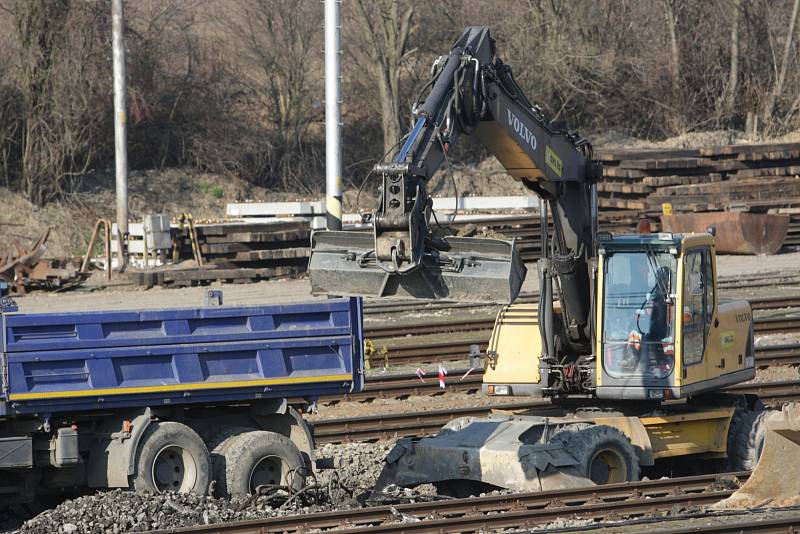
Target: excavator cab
<point>660,330</point>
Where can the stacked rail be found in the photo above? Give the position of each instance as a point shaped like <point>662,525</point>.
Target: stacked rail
<point>235,252</point>
<point>703,179</point>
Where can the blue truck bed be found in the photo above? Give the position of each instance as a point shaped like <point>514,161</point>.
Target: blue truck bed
<point>62,362</point>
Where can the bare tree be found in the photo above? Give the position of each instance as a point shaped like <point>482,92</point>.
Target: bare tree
<point>733,75</point>
<point>671,13</point>
<point>279,46</point>
<point>386,27</point>
<point>777,89</point>
<point>57,80</point>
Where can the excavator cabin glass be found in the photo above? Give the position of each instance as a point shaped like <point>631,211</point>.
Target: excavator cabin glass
<point>639,325</point>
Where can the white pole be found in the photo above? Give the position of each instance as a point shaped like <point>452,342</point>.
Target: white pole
<point>120,120</point>
<point>333,100</point>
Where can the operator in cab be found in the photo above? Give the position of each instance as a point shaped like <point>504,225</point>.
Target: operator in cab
<point>639,330</point>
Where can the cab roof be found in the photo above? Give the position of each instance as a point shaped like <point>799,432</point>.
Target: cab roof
<point>657,240</point>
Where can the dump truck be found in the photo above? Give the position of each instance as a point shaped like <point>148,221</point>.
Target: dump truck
<point>187,399</point>
<point>630,339</point>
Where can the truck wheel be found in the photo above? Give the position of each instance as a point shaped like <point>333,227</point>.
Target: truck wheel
<point>245,461</point>
<point>605,455</point>
<point>745,439</point>
<point>172,457</point>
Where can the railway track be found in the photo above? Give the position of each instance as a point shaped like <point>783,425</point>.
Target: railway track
<point>403,385</point>
<point>374,307</point>
<point>519,510</point>
<point>428,422</point>
<point>438,350</point>
<point>761,325</point>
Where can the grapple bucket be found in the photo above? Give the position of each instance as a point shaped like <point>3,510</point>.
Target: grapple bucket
<point>775,482</point>
<point>457,268</point>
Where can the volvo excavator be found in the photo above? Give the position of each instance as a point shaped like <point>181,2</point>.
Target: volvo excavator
<point>630,339</point>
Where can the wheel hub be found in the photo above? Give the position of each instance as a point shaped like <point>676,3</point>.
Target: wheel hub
<point>174,470</point>
<point>269,471</point>
<point>607,467</point>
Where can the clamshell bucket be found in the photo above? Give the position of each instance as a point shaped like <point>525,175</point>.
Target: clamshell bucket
<point>775,482</point>
<point>454,268</point>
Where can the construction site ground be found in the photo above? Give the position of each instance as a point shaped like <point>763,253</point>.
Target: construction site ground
<point>119,294</point>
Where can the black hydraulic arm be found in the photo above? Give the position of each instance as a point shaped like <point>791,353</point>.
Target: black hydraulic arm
<point>474,92</point>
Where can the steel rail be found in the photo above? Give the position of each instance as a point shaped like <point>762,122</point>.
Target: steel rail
<point>403,385</point>
<point>372,307</point>
<point>496,511</point>
<point>761,325</point>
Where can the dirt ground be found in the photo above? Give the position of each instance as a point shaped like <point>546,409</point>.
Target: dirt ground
<point>123,294</point>
<point>184,190</point>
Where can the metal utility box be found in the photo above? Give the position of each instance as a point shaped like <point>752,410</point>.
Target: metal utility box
<point>156,229</point>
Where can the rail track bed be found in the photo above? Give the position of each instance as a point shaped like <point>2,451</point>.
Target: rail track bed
<point>404,385</point>
<point>376,307</point>
<point>519,510</point>
<point>428,422</point>
<point>477,332</point>
<point>761,325</point>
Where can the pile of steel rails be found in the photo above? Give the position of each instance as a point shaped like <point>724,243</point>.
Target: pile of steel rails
<point>233,252</point>
<point>701,179</point>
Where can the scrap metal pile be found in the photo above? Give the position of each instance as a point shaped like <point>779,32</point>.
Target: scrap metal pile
<point>26,269</point>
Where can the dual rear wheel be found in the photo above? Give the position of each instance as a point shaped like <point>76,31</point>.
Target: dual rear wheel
<point>173,457</point>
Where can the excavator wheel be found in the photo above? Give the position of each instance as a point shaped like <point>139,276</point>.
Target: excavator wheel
<point>745,439</point>
<point>605,455</point>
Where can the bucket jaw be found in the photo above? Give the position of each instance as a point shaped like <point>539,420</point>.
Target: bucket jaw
<point>775,482</point>
<point>452,268</point>
<point>493,451</point>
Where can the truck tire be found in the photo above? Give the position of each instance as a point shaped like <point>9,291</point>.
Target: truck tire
<point>745,439</point>
<point>245,461</point>
<point>605,455</point>
<point>172,457</point>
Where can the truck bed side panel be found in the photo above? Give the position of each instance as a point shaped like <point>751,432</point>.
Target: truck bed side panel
<point>60,362</point>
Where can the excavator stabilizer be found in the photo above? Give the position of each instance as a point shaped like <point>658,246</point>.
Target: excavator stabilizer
<point>454,268</point>
<point>502,451</point>
<point>775,482</point>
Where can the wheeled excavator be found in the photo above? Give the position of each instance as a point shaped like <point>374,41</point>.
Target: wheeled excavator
<point>630,339</point>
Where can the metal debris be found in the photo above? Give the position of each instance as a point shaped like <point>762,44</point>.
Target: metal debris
<point>27,269</point>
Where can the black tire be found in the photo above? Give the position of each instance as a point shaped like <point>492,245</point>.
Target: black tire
<point>217,446</point>
<point>745,439</point>
<point>172,457</point>
<point>605,455</point>
<point>247,460</point>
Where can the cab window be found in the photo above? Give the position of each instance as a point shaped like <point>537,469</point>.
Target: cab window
<point>638,325</point>
<point>698,304</point>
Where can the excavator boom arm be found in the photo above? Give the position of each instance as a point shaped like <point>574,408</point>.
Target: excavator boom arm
<point>472,92</point>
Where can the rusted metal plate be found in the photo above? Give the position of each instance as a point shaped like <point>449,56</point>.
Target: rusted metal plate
<point>737,232</point>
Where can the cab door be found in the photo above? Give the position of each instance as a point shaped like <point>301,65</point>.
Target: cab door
<point>700,351</point>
